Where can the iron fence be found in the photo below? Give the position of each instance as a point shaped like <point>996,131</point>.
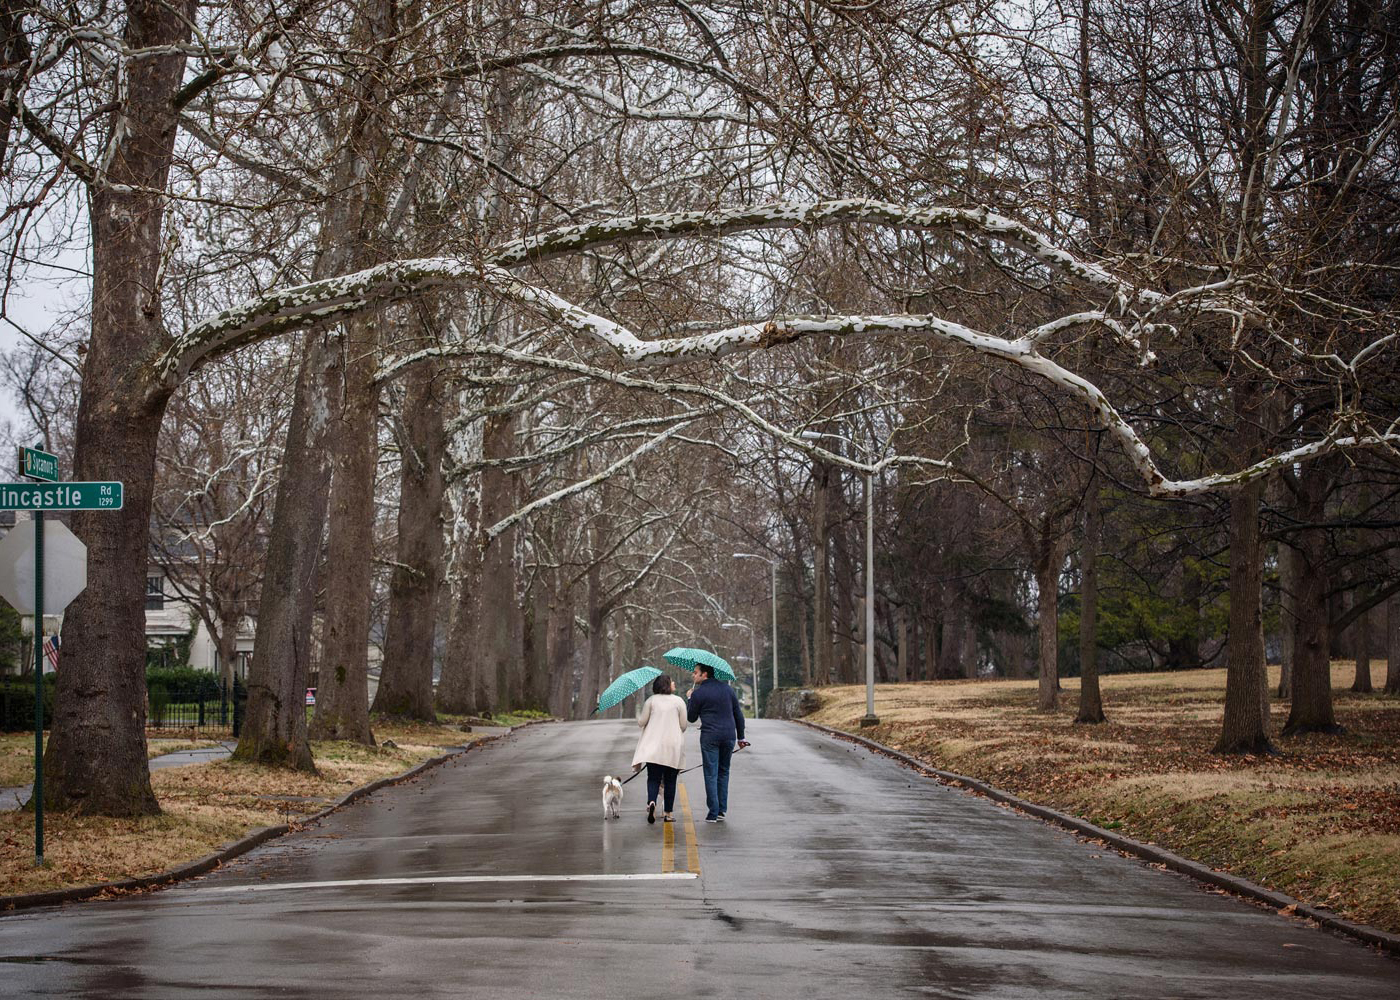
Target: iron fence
<point>201,705</point>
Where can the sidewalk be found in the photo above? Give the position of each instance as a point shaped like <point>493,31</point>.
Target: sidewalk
<point>14,798</point>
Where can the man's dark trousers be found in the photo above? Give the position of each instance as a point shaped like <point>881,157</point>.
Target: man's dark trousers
<point>714,759</point>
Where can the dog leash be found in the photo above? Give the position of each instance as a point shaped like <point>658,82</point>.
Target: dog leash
<point>679,773</point>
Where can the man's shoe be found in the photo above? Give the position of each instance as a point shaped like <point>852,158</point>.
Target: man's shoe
<point>711,819</point>
<point>719,818</point>
<point>651,812</point>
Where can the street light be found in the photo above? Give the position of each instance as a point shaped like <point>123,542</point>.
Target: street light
<point>753,660</point>
<point>871,719</point>
<point>773,564</point>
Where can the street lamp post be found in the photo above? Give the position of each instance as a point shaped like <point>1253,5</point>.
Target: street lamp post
<point>753,661</point>
<point>773,564</point>
<point>871,719</point>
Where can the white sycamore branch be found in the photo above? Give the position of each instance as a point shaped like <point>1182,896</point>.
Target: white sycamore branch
<point>335,298</point>
<point>504,524</point>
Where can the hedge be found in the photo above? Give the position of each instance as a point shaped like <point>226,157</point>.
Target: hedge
<point>182,684</point>
<point>17,705</point>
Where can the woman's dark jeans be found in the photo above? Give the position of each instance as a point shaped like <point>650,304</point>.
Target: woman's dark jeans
<point>656,774</point>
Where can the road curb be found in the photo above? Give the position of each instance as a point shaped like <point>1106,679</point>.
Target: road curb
<point>257,838</point>
<point>1135,848</point>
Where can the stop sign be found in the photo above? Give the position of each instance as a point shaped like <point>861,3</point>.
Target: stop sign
<point>65,567</point>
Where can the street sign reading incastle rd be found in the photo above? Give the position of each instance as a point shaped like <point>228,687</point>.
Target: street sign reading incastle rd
<point>60,496</point>
<point>36,464</point>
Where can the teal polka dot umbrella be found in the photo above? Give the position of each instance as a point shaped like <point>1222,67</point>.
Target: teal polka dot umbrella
<point>626,686</point>
<point>687,658</point>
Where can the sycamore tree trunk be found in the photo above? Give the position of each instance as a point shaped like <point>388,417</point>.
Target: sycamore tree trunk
<point>1245,728</point>
<point>499,625</point>
<point>951,662</point>
<point>850,667</point>
<point>457,688</point>
<point>95,761</point>
<point>1361,632</point>
<point>342,698</point>
<point>536,622</point>
<point>1361,641</point>
<point>930,631</point>
<point>971,650</point>
<point>1288,571</point>
<point>639,636</point>
<point>1311,707</point>
<point>1090,698</point>
<point>483,646</point>
<point>1392,638</point>
<point>406,678</point>
<point>821,589</point>
<point>561,655</point>
<point>1049,555</point>
<point>226,641</point>
<point>806,637</point>
<point>616,657</point>
<point>274,722</point>
<point>902,656</point>
<point>405,690</point>
<point>597,644</point>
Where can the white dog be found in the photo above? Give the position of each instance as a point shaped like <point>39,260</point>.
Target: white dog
<point>612,797</point>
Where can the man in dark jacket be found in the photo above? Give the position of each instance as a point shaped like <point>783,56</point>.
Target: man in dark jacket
<point>716,705</point>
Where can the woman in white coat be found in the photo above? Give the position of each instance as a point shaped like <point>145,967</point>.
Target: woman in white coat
<point>661,747</point>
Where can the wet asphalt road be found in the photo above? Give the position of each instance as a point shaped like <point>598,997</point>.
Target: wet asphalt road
<point>839,874</point>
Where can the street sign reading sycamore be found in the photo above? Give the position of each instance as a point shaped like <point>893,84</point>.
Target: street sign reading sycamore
<point>36,464</point>
<point>60,496</point>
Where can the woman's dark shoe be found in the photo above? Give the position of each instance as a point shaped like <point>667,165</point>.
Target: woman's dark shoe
<point>651,812</point>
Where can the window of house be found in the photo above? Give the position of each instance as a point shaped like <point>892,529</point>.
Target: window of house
<point>155,593</point>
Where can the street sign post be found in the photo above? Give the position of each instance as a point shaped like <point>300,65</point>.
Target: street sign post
<point>26,545</point>
<point>36,464</point>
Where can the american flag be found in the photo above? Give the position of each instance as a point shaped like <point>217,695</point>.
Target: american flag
<point>51,645</point>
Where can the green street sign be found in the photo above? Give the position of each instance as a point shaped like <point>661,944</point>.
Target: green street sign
<point>37,464</point>
<point>60,496</point>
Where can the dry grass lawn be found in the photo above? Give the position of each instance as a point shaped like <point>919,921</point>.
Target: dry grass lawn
<point>17,754</point>
<point>16,759</point>
<point>205,806</point>
<point>1320,821</point>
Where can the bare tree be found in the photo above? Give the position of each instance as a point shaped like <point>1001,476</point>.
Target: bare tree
<point>215,479</point>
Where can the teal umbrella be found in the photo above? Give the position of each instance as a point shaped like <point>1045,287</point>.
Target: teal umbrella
<point>687,658</point>
<point>625,686</point>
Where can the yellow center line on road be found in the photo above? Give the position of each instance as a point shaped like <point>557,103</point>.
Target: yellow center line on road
<point>668,848</point>
<point>692,843</point>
